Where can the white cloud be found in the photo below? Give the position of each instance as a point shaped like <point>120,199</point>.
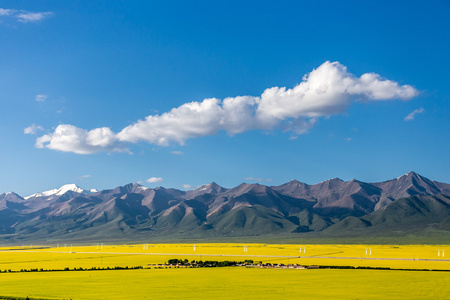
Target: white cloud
<point>154,179</point>
<point>6,12</point>
<point>101,137</point>
<point>412,115</point>
<point>257,179</point>
<point>41,98</point>
<point>26,17</point>
<point>190,120</point>
<point>328,90</point>
<point>299,126</point>
<point>69,138</point>
<point>177,152</point>
<point>348,139</point>
<point>86,176</point>
<point>33,129</point>
<point>187,186</point>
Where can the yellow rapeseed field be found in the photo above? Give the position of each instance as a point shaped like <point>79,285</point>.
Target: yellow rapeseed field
<point>230,282</point>
<point>400,257</point>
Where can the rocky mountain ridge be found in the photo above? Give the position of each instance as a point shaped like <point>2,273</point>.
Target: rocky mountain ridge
<point>334,206</point>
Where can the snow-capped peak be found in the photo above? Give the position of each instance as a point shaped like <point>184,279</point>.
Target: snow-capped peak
<point>204,187</point>
<point>210,188</point>
<point>143,188</point>
<point>406,175</point>
<point>331,180</point>
<point>62,190</point>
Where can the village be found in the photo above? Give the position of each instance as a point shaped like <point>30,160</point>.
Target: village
<point>179,263</point>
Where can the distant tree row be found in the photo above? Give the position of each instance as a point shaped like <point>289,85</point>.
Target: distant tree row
<point>73,269</point>
<point>208,263</point>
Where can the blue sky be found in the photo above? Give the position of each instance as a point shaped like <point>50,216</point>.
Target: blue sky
<point>104,93</point>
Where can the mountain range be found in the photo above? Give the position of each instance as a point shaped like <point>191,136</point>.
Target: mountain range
<point>408,204</point>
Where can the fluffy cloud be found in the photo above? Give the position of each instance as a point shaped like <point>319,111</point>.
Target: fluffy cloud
<point>69,138</point>
<point>187,186</point>
<point>154,180</point>
<point>5,12</point>
<point>41,98</point>
<point>24,16</point>
<point>190,120</point>
<point>412,115</point>
<point>328,90</point>
<point>33,129</point>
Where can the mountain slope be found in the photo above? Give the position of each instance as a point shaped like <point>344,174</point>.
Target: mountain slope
<point>409,203</point>
<point>410,214</point>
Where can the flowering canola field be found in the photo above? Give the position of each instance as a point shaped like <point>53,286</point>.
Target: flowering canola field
<point>230,282</point>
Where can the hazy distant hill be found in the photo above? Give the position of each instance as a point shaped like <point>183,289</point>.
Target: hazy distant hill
<point>409,203</point>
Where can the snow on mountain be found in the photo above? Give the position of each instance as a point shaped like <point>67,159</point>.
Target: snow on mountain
<point>62,190</point>
<point>406,175</point>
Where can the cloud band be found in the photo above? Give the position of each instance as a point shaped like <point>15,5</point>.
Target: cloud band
<point>328,90</point>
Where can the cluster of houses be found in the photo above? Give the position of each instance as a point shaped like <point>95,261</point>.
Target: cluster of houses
<point>177,263</point>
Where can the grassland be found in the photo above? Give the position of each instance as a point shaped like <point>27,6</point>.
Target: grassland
<point>230,282</point>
